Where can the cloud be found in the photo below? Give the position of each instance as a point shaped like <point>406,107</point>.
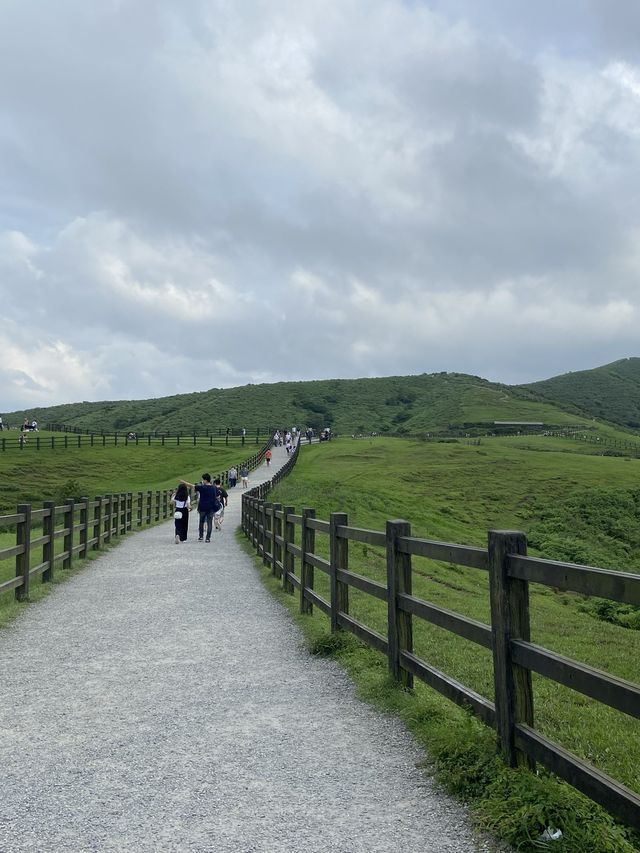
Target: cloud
<point>218,194</point>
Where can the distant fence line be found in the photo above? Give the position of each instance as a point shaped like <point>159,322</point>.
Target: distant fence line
<point>271,528</point>
<point>82,525</point>
<point>613,445</point>
<point>157,433</point>
<point>71,439</point>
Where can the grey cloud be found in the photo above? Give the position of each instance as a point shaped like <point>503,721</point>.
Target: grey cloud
<point>179,171</point>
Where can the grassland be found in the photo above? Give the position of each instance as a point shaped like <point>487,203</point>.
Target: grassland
<point>409,405</point>
<point>611,391</point>
<point>32,476</point>
<point>455,492</point>
<point>569,499</point>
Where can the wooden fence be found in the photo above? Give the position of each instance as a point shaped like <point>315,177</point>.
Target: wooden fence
<point>12,440</point>
<point>272,530</point>
<point>82,525</point>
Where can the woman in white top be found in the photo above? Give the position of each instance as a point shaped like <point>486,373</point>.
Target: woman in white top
<point>181,501</point>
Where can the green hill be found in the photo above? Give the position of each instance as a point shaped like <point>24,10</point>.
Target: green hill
<point>398,404</point>
<point>411,405</point>
<point>611,392</point>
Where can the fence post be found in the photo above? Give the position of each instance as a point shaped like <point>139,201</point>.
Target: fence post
<point>123,512</point>
<point>276,531</point>
<point>400,628</point>
<point>260,514</point>
<point>157,512</point>
<point>115,513</point>
<point>84,527</point>
<point>97,523</point>
<point>509,620</point>
<point>107,517</point>
<point>48,530</point>
<point>148,509</point>
<point>339,550</point>
<point>69,518</point>
<point>307,546</point>
<point>129,505</point>
<point>287,557</point>
<point>23,561</point>
<point>140,505</point>
<point>266,541</point>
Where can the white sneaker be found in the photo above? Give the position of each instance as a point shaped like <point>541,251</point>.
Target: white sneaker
<point>177,540</point>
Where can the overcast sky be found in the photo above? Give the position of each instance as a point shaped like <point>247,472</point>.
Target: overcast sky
<point>212,192</point>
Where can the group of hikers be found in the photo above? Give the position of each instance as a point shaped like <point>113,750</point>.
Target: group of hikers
<point>211,498</point>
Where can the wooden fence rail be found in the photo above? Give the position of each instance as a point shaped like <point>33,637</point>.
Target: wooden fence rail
<point>30,441</point>
<point>270,527</point>
<point>82,525</point>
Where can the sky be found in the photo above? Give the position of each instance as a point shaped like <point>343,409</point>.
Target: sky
<point>212,193</point>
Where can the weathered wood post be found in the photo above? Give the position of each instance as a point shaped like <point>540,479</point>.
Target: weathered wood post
<point>307,546</point>
<point>276,533</point>
<point>260,512</point>
<point>140,510</point>
<point>48,547</point>
<point>84,527</point>
<point>266,542</point>
<point>400,628</point>
<point>115,514</point>
<point>107,517</point>
<point>148,509</point>
<point>97,523</point>
<point>23,560</point>
<point>509,621</point>
<point>69,519</point>
<point>339,559</point>
<point>287,558</point>
<point>157,513</point>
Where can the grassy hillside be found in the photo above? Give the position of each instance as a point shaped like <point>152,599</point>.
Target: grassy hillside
<point>400,404</point>
<point>571,505</point>
<point>611,392</point>
<point>572,502</point>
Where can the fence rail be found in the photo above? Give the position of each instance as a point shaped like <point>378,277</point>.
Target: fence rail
<point>83,525</point>
<point>270,527</point>
<point>29,441</point>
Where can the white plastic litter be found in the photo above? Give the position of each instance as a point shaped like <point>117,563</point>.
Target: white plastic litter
<point>551,834</point>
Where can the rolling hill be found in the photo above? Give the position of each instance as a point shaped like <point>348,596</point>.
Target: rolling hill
<point>410,405</point>
<point>611,392</point>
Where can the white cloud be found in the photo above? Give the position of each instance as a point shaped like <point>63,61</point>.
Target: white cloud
<point>254,192</point>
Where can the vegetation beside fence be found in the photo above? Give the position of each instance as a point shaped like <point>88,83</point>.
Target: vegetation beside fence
<point>76,438</point>
<point>285,539</point>
<point>82,525</point>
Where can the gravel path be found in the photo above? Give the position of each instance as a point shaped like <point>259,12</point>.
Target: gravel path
<point>161,700</point>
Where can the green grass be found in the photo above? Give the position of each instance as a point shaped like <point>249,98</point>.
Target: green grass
<point>33,477</point>
<point>455,493</point>
<point>409,405</point>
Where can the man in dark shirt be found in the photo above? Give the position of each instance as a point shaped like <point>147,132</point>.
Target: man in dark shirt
<point>208,504</point>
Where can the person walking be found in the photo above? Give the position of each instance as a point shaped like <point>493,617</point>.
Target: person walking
<point>244,476</point>
<point>208,504</point>
<point>181,501</point>
<point>233,477</point>
<point>218,516</point>
<point>267,457</point>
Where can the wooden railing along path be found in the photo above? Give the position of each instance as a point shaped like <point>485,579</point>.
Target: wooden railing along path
<point>33,440</point>
<point>82,525</point>
<point>271,528</point>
